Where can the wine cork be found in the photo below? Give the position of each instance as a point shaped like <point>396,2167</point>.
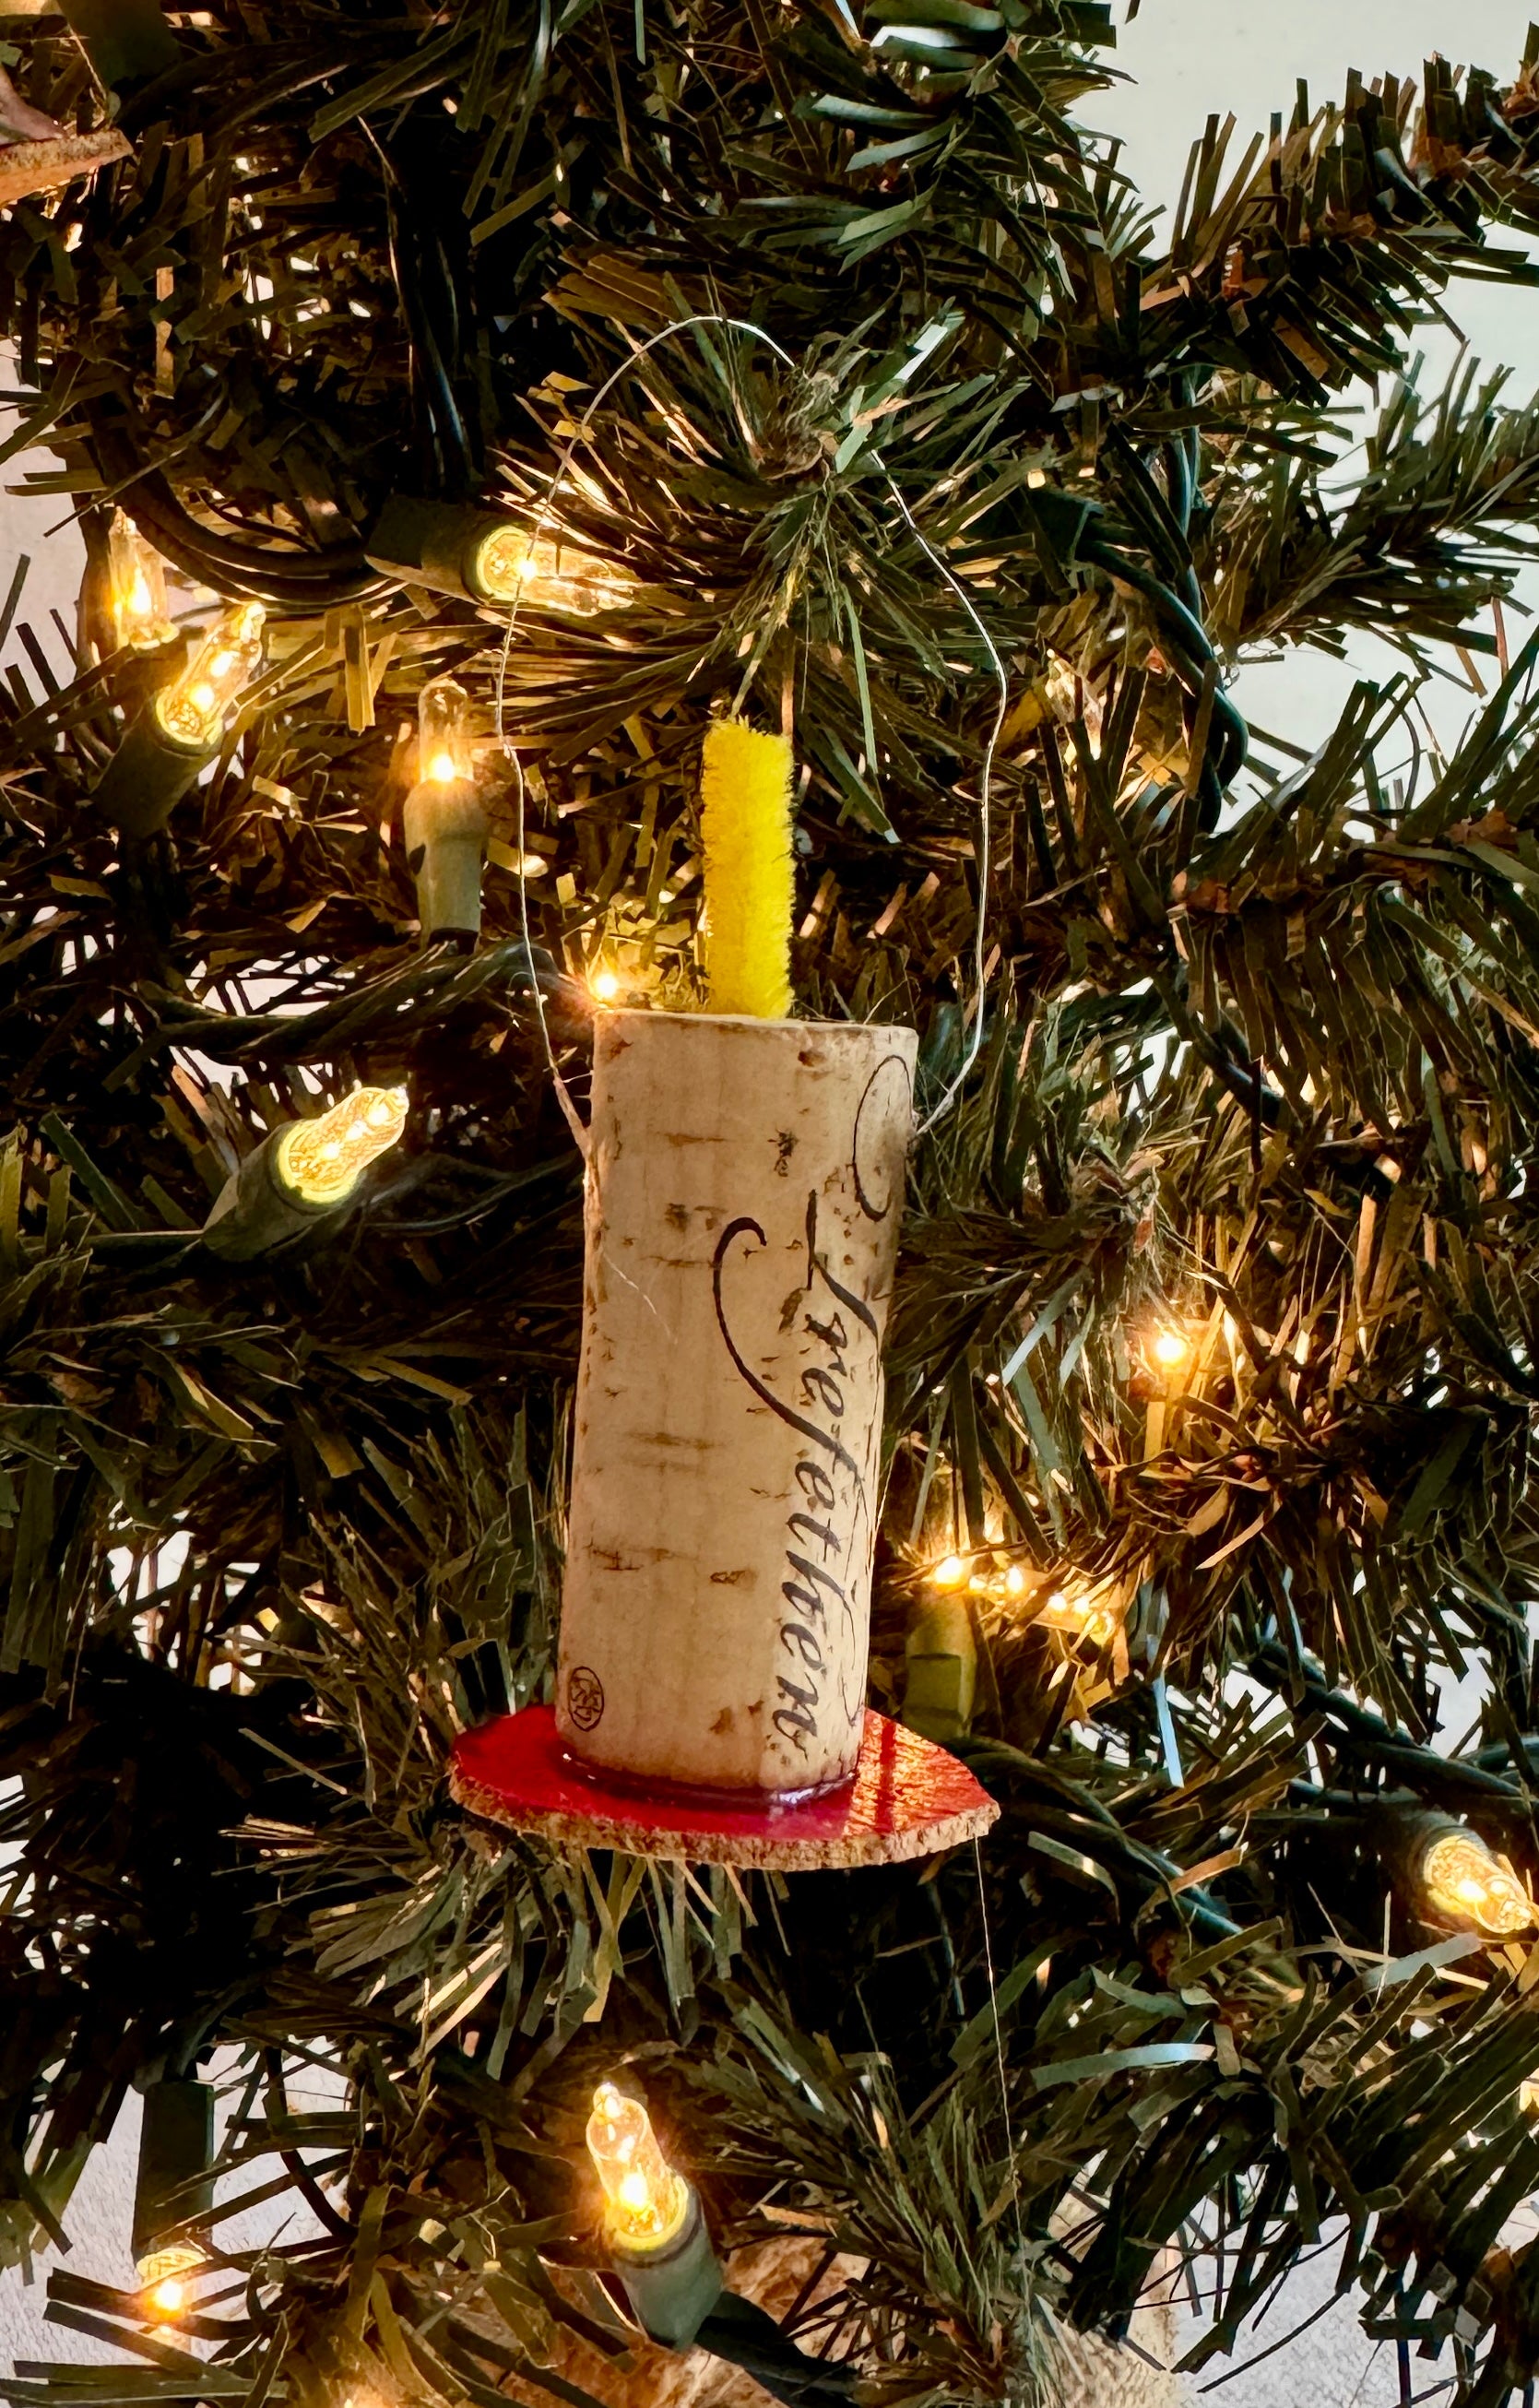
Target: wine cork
<point>744,1191</point>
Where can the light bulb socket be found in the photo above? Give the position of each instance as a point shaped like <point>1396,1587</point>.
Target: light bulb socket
<point>176,2152</point>
<point>672,2289</point>
<point>941,1660</point>
<point>147,777</point>
<point>256,1210</point>
<point>128,41</point>
<point>433,544</point>
<point>446,828</point>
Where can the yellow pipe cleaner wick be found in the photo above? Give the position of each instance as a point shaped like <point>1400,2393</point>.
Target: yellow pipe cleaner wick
<point>745,822</point>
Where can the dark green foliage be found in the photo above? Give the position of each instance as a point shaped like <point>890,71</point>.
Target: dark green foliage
<point>1259,1054</point>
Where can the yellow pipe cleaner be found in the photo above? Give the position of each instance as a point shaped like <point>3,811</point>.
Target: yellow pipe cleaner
<point>745,822</point>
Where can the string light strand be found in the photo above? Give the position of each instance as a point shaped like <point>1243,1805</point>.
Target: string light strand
<point>980,932</point>
<point>542,521</point>
<point>998,2058</point>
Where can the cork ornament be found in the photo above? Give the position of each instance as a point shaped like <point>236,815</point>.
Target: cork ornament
<point>744,1197</point>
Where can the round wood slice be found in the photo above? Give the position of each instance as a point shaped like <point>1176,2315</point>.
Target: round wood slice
<point>28,167</point>
<point>909,1799</point>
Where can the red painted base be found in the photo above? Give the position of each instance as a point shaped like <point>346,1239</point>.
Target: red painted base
<point>907,1798</point>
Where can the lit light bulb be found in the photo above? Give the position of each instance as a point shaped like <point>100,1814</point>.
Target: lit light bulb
<point>1169,1349</point>
<point>1014,1582</point>
<point>192,708</point>
<point>445,820</point>
<point>136,580</point>
<point>1082,1618</point>
<point>646,2202</point>
<point>445,747</point>
<point>1466,1885</point>
<point>502,562</point>
<point>163,2276</point>
<point>604,986</point>
<point>511,566</point>
<point>323,1160</point>
<point>948,1574</point>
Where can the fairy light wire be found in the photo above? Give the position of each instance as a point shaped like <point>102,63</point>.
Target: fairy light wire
<point>542,520</point>
<point>999,2054</point>
<point>986,774</point>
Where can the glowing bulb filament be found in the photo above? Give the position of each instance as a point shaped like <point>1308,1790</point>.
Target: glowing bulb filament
<point>1467,1884</point>
<point>135,585</point>
<point>510,566</point>
<point>323,1160</point>
<point>646,2202</point>
<point>193,709</point>
<point>163,2276</point>
<point>445,747</point>
<point>1082,1617</point>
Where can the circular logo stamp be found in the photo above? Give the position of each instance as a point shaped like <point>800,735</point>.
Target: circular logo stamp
<point>584,1697</point>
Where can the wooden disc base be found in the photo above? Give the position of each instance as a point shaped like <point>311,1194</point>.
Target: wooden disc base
<point>907,1798</point>
<point>28,167</point>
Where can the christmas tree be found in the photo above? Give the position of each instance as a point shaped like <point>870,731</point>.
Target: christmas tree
<point>510,396</point>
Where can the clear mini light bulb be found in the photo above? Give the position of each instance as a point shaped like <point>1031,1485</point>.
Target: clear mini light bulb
<point>1466,1885</point>
<point>1083,1615</point>
<point>136,576</point>
<point>511,564</point>
<point>504,561</point>
<point>165,2275</point>
<point>647,2205</point>
<point>323,1160</point>
<point>192,707</point>
<point>446,755</point>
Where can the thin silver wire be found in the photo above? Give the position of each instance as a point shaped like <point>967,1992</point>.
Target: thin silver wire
<point>980,933</point>
<point>998,2058</point>
<point>542,520</point>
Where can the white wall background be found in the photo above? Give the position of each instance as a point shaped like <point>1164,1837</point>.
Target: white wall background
<point>1188,60</point>
<point>1184,60</point>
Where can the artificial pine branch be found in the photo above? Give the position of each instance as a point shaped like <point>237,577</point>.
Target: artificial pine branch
<point>1257,1056</point>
